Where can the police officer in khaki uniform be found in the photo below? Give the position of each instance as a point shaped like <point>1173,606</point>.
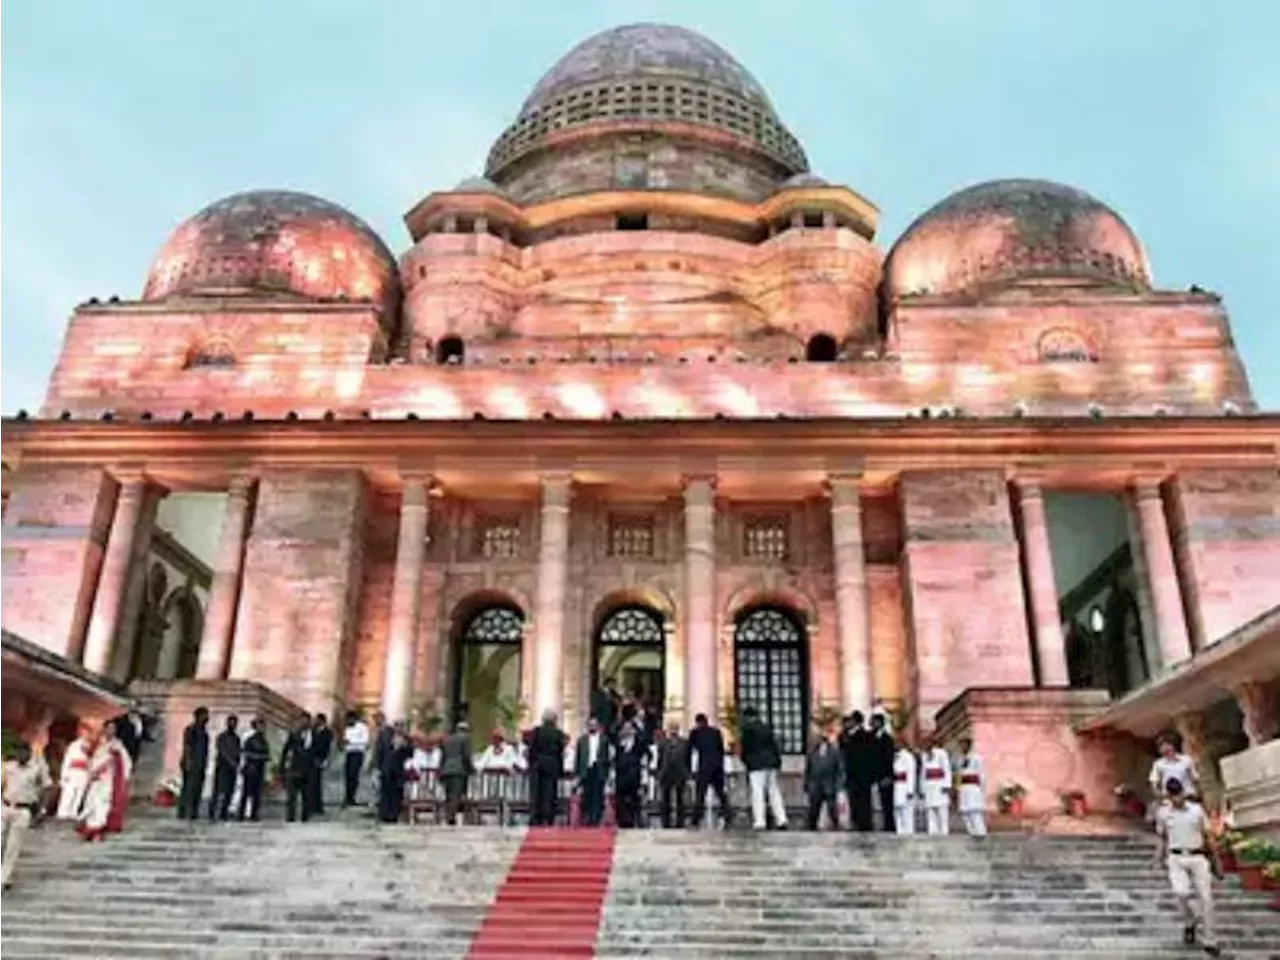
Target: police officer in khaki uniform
<point>22,789</point>
<point>1188,852</point>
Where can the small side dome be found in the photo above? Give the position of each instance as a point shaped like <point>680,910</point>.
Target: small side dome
<point>1011,231</point>
<point>802,180</point>
<point>273,243</point>
<point>479,185</point>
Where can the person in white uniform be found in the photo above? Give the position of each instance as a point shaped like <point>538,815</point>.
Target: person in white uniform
<point>1172,765</point>
<point>25,780</point>
<point>972,801</point>
<point>1188,853</point>
<point>935,789</point>
<point>905,785</point>
<point>74,778</point>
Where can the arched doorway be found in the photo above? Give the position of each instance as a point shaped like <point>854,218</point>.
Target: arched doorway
<point>631,649</point>
<point>771,671</point>
<point>486,669</point>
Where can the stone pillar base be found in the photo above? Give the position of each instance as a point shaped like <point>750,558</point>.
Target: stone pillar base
<point>1028,736</point>
<point>173,702</point>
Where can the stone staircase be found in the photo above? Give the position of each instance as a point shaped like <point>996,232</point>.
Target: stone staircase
<point>347,888</point>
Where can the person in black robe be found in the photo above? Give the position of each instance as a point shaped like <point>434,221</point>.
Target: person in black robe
<point>629,764</point>
<point>604,706</point>
<point>382,734</point>
<point>321,748</point>
<point>226,767</point>
<point>195,760</point>
<point>883,752</point>
<point>858,748</point>
<point>257,754</point>
<point>296,764</point>
<point>706,749</point>
<point>546,767</point>
<point>391,776</point>
<point>133,728</point>
<point>673,775</point>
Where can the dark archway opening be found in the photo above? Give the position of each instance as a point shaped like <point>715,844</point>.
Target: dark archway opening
<point>630,648</point>
<point>450,349</point>
<point>487,670</point>
<point>771,672</point>
<point>822,348</point>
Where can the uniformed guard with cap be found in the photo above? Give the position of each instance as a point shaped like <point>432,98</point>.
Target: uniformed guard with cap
<point>1188,852</point>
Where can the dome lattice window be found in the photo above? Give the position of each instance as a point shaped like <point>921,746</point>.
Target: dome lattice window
<point>212,353</point>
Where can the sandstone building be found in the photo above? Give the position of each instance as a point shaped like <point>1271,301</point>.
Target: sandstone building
<point>647,400</point>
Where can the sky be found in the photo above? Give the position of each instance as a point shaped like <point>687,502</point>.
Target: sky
<point>119,120</point>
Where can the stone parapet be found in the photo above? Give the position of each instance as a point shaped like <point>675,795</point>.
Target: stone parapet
<point>1251,782</point>
<point>1028,736</point>
<point>173,702</point>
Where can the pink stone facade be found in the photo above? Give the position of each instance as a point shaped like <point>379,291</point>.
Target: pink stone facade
<point>623,385</point>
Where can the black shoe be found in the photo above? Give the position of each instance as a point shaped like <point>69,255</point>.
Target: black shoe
<point>1189,935</point>
<point>1213,951</point>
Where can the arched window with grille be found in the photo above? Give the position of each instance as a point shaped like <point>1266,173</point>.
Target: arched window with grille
<point>630,649</point>
<point>486,676</point>
<point>771,672</point>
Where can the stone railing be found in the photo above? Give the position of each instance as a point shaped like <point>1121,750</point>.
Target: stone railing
<point>497,797</point>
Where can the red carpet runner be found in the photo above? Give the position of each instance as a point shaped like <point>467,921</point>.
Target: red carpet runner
<point>549,905</point>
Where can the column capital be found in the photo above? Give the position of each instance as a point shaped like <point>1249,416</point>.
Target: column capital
<point>557,489</point>
<point>129,476</point>
<point>241,485</point>
<point>1146,486</point>
<point>1028,488</point>
<point>843,489</point>
<point>699,489</point>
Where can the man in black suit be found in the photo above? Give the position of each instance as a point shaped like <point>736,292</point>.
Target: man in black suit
<point>706,749</point>
<point>604,706</point>
<point>591,765</point>
<point>858,748</point>
<point>546,767</point>
<point>257,754</point>
<point>297,769</point>
<point>883,752</point>
<point>133,728</point>
<point>195,759</point>
<point>321,747</point>
<point>629,760</point>
<point>226,767</point>
<point>673,774</point>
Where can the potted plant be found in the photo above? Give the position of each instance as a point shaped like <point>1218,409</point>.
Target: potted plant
<point>1227,844</point>
<point>1131,805</point>
<point>1074,803</point>
<point>1011,798</point>
<point>167,793</point>
<point>1271,876</point>
<point>1252,856</point>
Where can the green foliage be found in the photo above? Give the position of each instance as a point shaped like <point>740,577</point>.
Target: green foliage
<point>511,712</point>
<point>9,741</point>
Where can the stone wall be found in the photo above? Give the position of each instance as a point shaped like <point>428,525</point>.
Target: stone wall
<point>968,622</point>
<point>301,584</point>
<point>1226,529</point>
<point>55,531</point>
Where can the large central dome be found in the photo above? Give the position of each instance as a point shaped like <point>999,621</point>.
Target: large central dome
<point>645,106</point>
<point>651,50</point>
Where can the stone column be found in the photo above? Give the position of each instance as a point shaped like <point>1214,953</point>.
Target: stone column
<point>224,593</point>
<point>1166,595</point>
<point>853,610</point>
<point>553,566</point>
<point>114,576</point>
<point>1051,650</point>
<point>1257,701</point>
<point>700,599</point>
<point>406,600</point>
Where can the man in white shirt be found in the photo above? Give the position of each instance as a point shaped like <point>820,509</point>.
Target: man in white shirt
<point>1172,765</point>
<point>355,741</point>
<point>25,780</point>
<point>935,789</point>
<point>904,790</point>
<point>1188,852</point>
<point>972,801</point>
